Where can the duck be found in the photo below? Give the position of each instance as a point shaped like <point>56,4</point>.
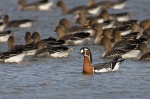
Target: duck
<point>88,68</point>
<point>127,30</point>
<point>5,35</point>
<point>108,4</point>
<point>12,57</point>
<point>129,52</point>
<point>103,18</point>
<point>80,38</point>
<point>78,9</point>
<point>54,52</point>
<point>74,29</point>
<point>23,23</point>
<point>101,4</point>
<point>119,42</point>
<point>121,17</point>
<point>30,49</point>
<point>39,5</point>
<point>48,41</point>
<point>105,24</point>
<point>75,10</point>
<point>145,55</point>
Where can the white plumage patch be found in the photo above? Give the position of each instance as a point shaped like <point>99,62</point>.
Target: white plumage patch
<point>82,41</point>
<point>131,54</point>
<point>18,58</point>
<point>123,18</point>
<point>31,52</point>
<point>100,20</point>
<point>62,53</point>
<point>2,27</point>
<point>119,6</point>
<point>103,70</point>
<point>4,38</point>
<point>126,32</point>
<point>111,25</point>
<point>94,11</point>
<point>116,66</point>
<point>27,24</point>
<point>46,6</point>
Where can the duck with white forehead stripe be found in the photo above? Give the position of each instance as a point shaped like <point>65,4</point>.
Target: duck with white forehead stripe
<point>88,68</point>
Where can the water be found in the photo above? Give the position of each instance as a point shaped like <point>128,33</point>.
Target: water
<point>48,78</point>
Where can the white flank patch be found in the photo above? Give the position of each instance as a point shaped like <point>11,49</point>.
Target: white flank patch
<point>125,32</point>
<point>17,58</point>
<point>62,53</point>
<point>4,38</point>
<point>101,20</point>
<point>103,70</point>
<point>82,42</point>
<point>123,18</point>
<point>59,54</point>
<point>94,11</point>
<point>31,52</point>
<point>2,27</point>
<point>108,26</point>
<point>89,31</point>
<point>27,24</point>
<point>131,54</point>
<point>119,6</point>
<point>116,66</point>
<point>46,6</point>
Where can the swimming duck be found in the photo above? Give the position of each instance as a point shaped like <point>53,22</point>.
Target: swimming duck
<point>121,17</point>
<point>39,5</point>
<point>55,52</point>
<point>48,41</point>
<point>108,4</point>
<point>23,23</point>
<point>30,49</point>
<point>129,52</point>
<point>127,30</point>
<point>75,10</point>
<point>124,43</point>
<point>74,29</point>
<point>78,9</point>
<point>88,68</point>
<point>79,38</point>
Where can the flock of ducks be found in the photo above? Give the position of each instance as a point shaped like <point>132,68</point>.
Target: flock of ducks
<point>120,36</point>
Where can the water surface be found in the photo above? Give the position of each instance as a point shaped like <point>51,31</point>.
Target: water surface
<point>48,78</point>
